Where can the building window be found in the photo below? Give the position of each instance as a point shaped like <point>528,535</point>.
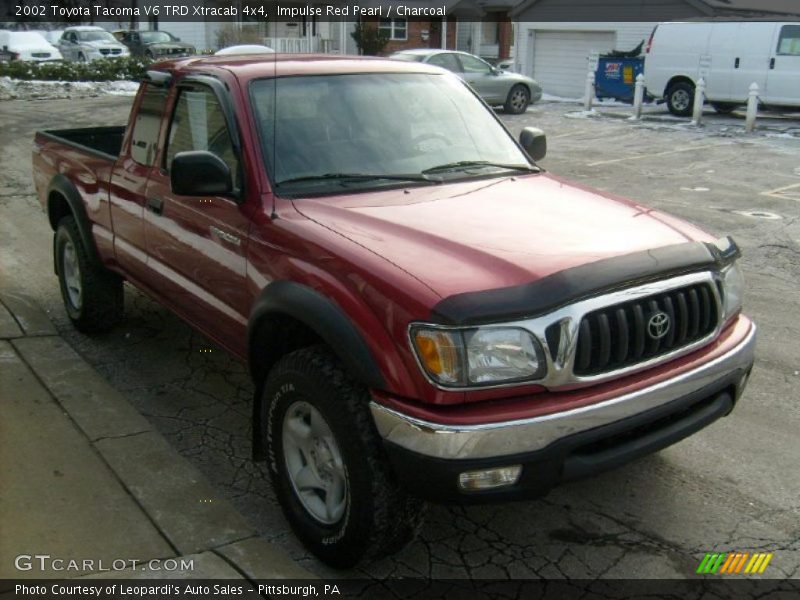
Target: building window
<point>397,29</point>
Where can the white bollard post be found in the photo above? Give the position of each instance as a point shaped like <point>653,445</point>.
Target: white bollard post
<point>699,100</point>
<point>752,109</point>
<point>588,94</point>
<point>638,97</point>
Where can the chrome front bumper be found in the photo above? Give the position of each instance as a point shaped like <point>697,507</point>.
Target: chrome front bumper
<point>528,435</point>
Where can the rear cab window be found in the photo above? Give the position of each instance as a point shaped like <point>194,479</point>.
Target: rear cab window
<point>147,126</point>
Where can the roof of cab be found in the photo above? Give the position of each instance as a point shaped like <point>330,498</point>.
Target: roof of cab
<point>253,66</point>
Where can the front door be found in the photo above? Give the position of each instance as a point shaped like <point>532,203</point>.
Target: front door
<point>196,245</point>
<point>481,78</point>
<point>783,79</point>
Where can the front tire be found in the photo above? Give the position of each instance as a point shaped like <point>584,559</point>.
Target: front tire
<point>680,99</point>
<point>327,462</point>
<point>518,99</point>
<point>92,295</point>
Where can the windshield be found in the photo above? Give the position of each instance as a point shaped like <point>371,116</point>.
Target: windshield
<point>96,36</point>
<point>401,126</point>
<point>151,37</point>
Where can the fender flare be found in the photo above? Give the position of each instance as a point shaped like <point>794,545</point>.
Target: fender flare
<point>327,320</point>
<point>65,188</point>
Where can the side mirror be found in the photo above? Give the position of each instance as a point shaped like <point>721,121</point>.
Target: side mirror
<point>177,39</point>
<point>534,142</point>
<point>200,173</point>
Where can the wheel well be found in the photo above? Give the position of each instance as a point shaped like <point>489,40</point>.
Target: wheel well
<point>678,79</point>
<point>57,208</point>
<point>274,336</point>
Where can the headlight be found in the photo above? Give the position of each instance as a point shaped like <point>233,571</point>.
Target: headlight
<point>732,290</point>
<point>478,356</point>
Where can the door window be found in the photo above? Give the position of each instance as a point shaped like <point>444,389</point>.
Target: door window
<point>789,42</point>
<point>446,60</point>
<point>470,64</point>
<point>199,123</point>
<point>144,137</point>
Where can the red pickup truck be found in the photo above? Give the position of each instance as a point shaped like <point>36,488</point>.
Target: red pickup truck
<point>426,313</point>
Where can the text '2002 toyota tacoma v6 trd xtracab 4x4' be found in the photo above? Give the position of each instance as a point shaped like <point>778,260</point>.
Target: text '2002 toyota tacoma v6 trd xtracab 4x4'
<point>426,314</point>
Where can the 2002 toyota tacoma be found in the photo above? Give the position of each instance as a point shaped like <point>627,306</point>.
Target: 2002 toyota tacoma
<point>426,313</point>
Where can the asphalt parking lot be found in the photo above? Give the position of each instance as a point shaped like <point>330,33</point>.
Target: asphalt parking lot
<point>734,486</point>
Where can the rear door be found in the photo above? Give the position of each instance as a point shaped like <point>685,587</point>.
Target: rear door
<point>129,180</point>
<point>755,50</point>
<point>783,79</point>
<point>196,245</point>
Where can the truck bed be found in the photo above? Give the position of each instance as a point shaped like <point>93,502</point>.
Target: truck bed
<point>106,141</point>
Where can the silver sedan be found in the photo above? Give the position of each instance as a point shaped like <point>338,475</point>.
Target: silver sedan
<point>514,91</point>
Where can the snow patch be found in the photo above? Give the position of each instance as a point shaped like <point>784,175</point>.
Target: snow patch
<point>13,89</point>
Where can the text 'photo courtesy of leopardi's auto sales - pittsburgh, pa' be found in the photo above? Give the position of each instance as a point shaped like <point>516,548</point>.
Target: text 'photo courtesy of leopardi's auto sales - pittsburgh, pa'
<point>427,315</point>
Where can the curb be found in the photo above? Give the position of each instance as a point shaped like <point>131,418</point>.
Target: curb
<point>178,500</point>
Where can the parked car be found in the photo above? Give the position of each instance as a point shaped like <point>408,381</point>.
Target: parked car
<point>154,44</point>
<point>426,313</point>
<point>514,91</point>
<point>730,56</point>
<point>86,43</point>
<point>27,45</point>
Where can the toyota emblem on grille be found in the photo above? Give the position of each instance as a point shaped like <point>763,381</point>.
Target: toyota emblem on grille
<point>658,325</point>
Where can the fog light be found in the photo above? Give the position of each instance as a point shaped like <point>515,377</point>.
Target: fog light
<point>488,479</point>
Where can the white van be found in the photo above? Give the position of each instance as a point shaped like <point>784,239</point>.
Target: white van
<point>729,56</point>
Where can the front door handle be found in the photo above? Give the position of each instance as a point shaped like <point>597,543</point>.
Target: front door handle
<point>736,64</point>
<point>155,205</point>
<point>772,63</point>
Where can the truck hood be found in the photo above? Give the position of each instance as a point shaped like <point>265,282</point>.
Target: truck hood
<point>494,233</point>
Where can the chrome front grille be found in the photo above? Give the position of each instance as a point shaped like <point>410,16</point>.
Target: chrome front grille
<point>604,337</point>
<point>625,334</point>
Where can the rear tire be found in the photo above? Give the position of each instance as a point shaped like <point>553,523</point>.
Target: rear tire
<point>680,99</point>
<point>518,99</point>
<point>332,451</point>
<point>93,296</point>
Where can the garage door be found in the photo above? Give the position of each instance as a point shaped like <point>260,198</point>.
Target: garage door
<point>560,59</point>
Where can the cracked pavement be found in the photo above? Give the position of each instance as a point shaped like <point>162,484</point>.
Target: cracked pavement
<point>733,486</point>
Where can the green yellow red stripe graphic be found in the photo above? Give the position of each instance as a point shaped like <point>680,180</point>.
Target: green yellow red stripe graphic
<point>734,562</point>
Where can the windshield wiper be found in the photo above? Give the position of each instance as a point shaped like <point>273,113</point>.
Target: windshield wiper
<point>466,164</point>
<point>343,177</point>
